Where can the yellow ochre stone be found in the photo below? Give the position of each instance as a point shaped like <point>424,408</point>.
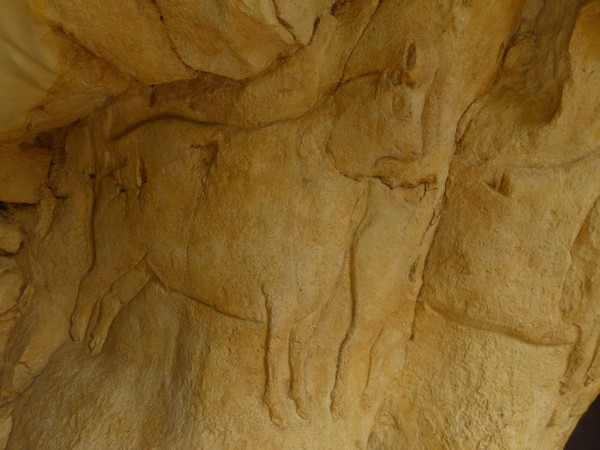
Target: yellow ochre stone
<point>320,224</point>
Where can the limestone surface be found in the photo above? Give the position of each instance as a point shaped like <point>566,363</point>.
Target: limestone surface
<point>298,224</point>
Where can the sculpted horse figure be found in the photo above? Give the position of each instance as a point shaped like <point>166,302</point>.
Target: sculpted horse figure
<point>256,225</point>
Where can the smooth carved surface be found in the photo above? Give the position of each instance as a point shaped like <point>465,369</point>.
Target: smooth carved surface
<point>299,224</point>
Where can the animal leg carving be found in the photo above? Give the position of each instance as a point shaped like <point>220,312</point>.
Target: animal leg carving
<point>579,303</point>
<point>581,352</point>
<point>381,286</point>
<point>593,373</point>
<point>354,363</point>
<point>378,356</point>
<point>279,323</point>
<point>122,292</point>
<point>93,286</point>
<point>338,394</point>
<point>299,339</point>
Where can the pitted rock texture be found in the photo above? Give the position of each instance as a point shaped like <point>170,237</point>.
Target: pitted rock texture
<point>298,224</point>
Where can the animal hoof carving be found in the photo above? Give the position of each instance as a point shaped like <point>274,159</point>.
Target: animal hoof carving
<point>566,386</point>
<point>95,344</point>
<point>303,406</point>
<point>368,400</point>
<point>275,408</point>
<point>337,403</point>
<point>591,377</point>
<point>78,328</point>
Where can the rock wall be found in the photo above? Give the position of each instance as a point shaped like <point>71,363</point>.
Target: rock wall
<point>284,224</point>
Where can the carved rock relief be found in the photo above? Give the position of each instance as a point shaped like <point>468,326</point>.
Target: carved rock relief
<point>195,196</point>
<point>193,253</point>
<point>250,257</point>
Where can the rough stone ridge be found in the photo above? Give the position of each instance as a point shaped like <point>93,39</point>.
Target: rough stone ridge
<point>298,224</point>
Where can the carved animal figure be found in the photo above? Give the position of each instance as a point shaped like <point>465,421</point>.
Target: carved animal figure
<point>258,232</point>
<point>378,136</point>
<point>580,303</point>
<point>256,226</point>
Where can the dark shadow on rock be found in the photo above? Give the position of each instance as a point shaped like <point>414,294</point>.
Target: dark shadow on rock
<point>586,435</point>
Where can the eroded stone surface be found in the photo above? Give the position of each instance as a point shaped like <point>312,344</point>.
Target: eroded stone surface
<point>302,225</point>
